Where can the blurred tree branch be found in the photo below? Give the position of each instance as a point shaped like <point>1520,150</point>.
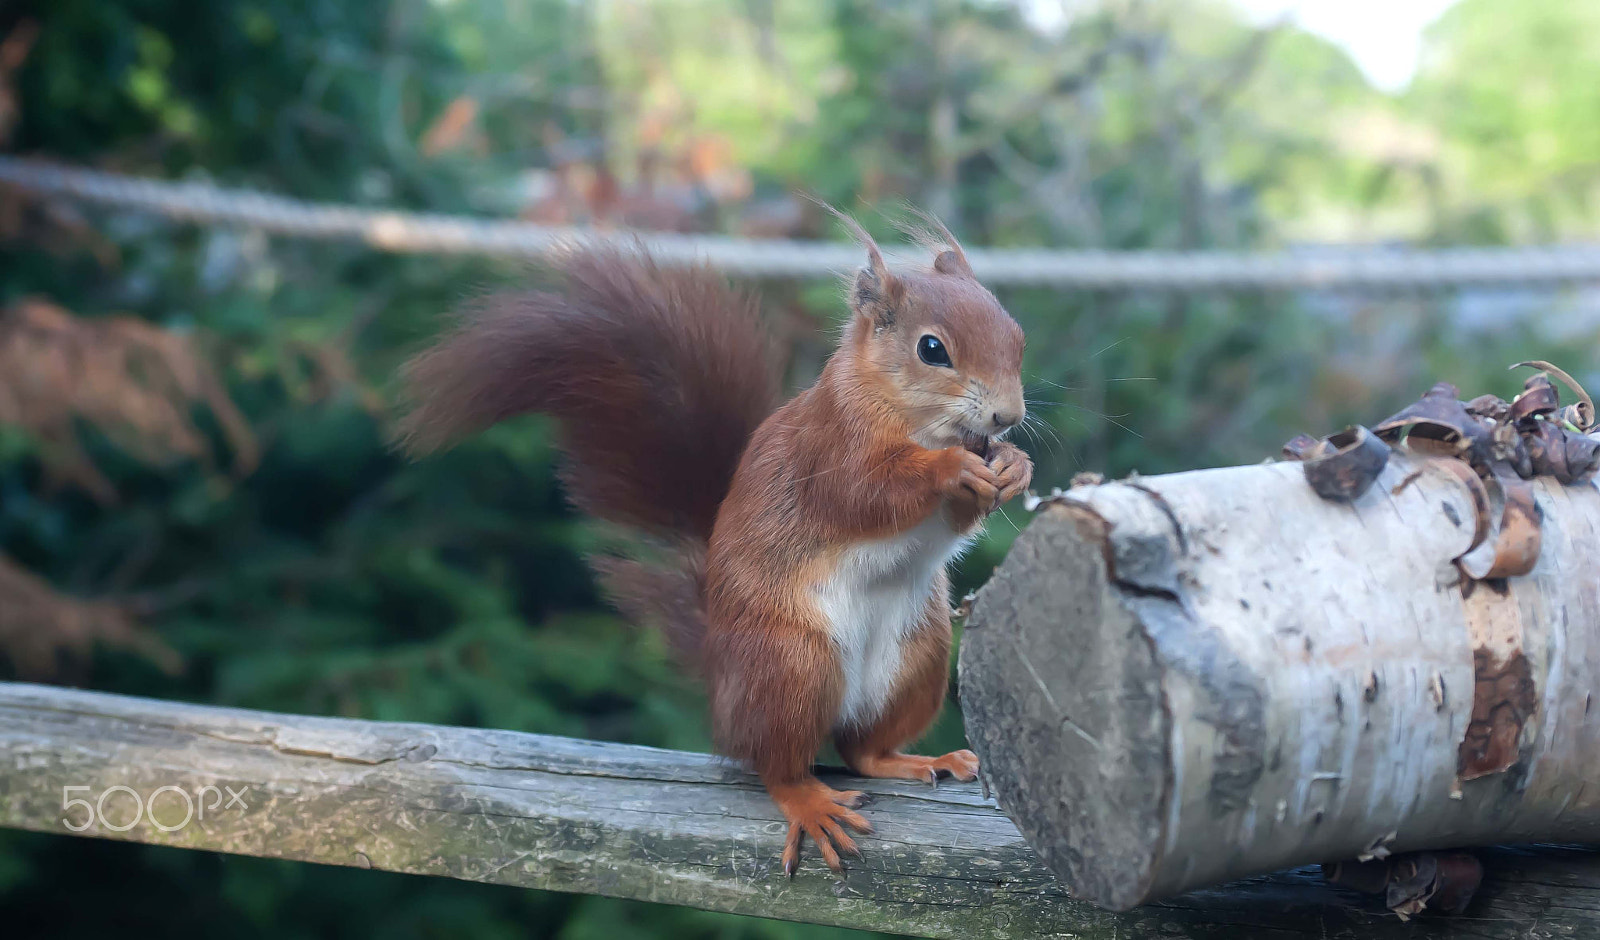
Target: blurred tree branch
<point>39,625</point>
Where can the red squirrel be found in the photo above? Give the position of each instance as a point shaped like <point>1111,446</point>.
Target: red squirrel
<point>806,543</point>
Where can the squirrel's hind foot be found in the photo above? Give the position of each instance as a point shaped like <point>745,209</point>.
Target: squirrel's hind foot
<point>962,765</point>
<point>821,812</point>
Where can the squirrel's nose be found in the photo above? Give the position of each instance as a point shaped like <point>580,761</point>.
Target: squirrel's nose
<point>1006,419</point>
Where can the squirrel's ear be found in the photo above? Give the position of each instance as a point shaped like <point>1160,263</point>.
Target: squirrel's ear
<point>876,293</point>
<point>952,261</point>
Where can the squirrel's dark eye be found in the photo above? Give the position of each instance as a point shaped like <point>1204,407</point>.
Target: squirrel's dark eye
<point>931,351</point>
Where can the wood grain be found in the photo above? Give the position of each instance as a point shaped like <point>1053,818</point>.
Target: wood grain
<point>636,822</point>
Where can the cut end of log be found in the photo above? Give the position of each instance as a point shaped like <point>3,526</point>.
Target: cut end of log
<point>1093,706</point>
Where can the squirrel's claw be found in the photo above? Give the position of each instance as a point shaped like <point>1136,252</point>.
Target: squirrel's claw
<point>854,799</point>
<point>822,813</point>
<point>791,850</point>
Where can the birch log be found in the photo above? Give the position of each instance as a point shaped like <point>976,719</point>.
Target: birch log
<point>1179,681</point>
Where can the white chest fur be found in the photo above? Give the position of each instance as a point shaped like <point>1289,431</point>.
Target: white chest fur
<point>873,603</point>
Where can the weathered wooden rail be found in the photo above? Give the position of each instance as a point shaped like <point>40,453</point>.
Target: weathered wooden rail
<point>636,822</point>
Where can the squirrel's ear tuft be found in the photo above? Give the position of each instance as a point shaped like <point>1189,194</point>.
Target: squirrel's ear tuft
<point>876,293</point>
<point>936,237</point>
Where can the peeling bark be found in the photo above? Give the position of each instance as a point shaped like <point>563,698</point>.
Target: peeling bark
<point>1504,698</point>
<point>1179,681</point>
<point>1502,702</point>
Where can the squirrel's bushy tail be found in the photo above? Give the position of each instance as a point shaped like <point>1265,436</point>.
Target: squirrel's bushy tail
<point>657,378</point>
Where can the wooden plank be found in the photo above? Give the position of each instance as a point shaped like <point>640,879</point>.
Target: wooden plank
<point>636,822</point>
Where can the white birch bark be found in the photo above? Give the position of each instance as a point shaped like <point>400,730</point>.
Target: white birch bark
<point>1183,680</point>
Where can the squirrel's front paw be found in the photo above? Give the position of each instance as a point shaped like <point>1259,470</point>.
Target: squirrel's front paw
<point>975,485</point>
<point>1012,468</point>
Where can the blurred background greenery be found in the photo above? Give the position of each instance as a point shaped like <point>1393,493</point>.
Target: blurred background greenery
<point>197,500</point>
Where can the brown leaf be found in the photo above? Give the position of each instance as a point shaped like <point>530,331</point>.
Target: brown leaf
<point>39,625</point>
<point>452,128</point>
<point>133,382</point>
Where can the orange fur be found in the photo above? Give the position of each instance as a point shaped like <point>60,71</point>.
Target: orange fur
<point>876,471</point>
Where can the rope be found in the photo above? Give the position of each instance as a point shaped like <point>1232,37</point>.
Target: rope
<point>429,233</point>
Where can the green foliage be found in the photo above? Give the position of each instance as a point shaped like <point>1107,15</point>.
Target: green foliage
<point>1511,87</point>
<point>338,578</point>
